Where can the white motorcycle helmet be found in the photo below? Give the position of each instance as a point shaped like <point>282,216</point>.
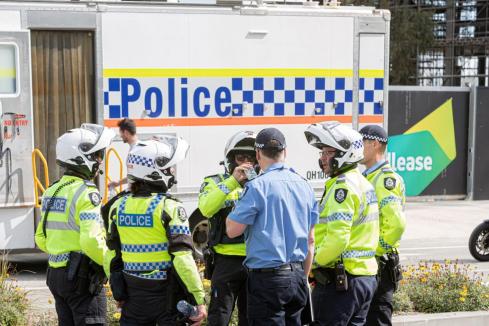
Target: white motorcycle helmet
<point>347,142</point>
<point>78,149</point>
<point>151,161</point>
<point>241,142</point>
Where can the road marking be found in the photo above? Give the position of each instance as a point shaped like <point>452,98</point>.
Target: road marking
<point>432,248</point>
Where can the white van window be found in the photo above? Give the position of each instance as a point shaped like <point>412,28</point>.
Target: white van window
<point>8,69</point>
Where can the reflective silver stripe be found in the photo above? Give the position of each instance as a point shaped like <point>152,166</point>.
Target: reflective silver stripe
<point>71,223</point>
<point>323,202</point>
<point>374,182</point>
<point>57,225</point>
<point>71,218</point>
<point>366,218</point>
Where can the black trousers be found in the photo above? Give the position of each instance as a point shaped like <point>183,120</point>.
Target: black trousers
<point>380,313</point>
<point>228,288</point>
<point>276,298</point>
<point>341,308</point>
<point>75,309</point>
<point>147,303</point>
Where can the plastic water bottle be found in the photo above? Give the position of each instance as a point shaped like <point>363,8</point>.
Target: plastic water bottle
<point>186,309</point>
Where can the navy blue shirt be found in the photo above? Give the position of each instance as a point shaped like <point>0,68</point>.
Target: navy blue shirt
<point>280,209</point>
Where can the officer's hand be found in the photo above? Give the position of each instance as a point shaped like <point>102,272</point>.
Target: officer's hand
<point>239,172</point>
<point>113,184</point>
<point>200,317</point>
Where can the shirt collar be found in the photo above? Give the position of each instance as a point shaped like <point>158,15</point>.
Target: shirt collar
<point>275,166</point>
<point>374,167</point>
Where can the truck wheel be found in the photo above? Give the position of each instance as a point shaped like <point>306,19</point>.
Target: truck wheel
<point>199,229</point>
<point>479,242</point>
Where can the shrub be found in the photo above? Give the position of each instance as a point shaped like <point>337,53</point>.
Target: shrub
<point>13,299</point>
<point>434,287</point>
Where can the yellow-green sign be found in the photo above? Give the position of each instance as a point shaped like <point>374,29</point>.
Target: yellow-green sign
<point>425,150</point>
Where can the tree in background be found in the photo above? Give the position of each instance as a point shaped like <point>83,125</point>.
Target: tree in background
<point>411,35</point>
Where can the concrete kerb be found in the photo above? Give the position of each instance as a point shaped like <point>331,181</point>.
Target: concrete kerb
<point>465,318</point>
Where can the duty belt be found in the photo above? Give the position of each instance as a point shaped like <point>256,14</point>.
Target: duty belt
<point>285,267</point>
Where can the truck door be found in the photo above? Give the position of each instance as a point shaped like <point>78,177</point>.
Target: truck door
<point>16,186</point>
<point>63,87</point>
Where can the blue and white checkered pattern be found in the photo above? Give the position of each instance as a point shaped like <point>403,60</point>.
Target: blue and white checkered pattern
<point>337,217</point>
<point>300,96</point>
<point>268,96</point>
<point>179,229</point>
<point>140,160</point>
<point>160,275</point>
<point>89,216</point>
<point>156,247</point>
<point>371,197</point>
<point>59,258</point>
<point>154,203</point>
<point>384,244</point>
<point>371,93</point>
<point>388,200</point>
<point>223,188</point>
<point>358,254</point>
<point>229,203</point>
<point>141,267</point>
<point>357,144</point>
<point>122,205</point>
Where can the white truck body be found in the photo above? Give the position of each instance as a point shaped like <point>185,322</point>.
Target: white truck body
<point>202,72</point>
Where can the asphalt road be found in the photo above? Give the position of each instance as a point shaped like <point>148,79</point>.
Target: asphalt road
<point>436,231</point>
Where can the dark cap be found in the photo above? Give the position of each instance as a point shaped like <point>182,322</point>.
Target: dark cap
<point>374,132</point>
<point>266,136</point>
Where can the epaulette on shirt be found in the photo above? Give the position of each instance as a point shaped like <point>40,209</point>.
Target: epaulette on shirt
<point>216,178</point>
<point>341,178</point>
<point>89,183</point>
<point>168,196</point>
<point>387,170</point>
<point>293,171</point>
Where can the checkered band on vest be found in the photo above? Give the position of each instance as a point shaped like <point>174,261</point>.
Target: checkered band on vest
<point>156,247</point>
<point>358,254</point>
<point>150,266</point>
<point>59,258</point>
<point>223,188</point>
<point>388,200</point>
<point>337,217</point>
<point>384,244</point>
<point>89,216</point>
<point>179,229</point>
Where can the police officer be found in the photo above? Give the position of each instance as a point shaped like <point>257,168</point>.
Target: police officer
<point>216,200</point>
<point>71,229</point>
<point>278,211</point>
<point>150,235</point>
<point>347,233</point>
<point>389,188</point>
